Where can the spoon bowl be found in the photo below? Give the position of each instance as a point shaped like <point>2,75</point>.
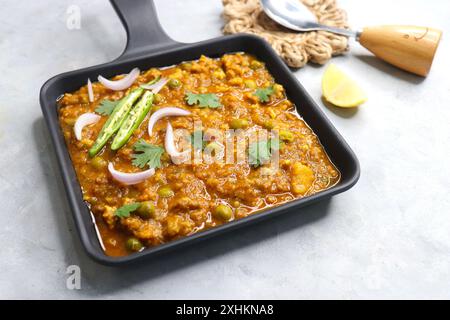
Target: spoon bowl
<point>295,16</point>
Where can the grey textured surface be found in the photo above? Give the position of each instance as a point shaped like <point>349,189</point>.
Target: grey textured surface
<point>386,238</point>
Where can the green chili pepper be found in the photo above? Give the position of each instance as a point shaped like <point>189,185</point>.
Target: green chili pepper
<point>133,120</point>
<point>115,120</point>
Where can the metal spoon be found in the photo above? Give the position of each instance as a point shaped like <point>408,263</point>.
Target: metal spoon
<point>294,15</point>
<point>407,47</point>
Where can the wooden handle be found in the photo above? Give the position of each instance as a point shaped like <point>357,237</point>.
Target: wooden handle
<point>407,47</point>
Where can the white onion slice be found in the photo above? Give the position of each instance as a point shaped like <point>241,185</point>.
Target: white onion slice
<point>90,91</point>
<point>130,178</point>
<point>165,112</point>
<point>156,87</point>
<point>121,84</point>
<point>169,144</point>
<point>84,120</point>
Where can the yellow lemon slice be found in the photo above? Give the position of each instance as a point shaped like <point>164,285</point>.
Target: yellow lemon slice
<point>341,90</point>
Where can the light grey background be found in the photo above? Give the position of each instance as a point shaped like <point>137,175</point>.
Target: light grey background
<point>389,237</point>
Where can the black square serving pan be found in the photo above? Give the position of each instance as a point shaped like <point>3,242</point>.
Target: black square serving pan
<point>148,46</point>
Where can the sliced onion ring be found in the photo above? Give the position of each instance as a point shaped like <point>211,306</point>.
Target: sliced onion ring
<point>121,84</point>
<point>130,178</point>
<point>165,112</point>
<point>90,90</point>
<point>169,144</point>
<point>84,120</point>
<point>156,87</point>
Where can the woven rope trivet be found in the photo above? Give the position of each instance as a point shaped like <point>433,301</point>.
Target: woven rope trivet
<point>295,48</point>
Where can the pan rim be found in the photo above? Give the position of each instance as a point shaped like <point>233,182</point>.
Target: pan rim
<point>74,201</point>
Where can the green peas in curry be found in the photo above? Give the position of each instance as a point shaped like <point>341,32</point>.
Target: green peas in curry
<point>179,200</point>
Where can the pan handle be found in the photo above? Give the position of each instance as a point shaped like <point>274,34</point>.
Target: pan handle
<point>144,32</point>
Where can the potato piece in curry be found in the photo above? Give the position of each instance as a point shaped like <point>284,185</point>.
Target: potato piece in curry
<point>182,199</point>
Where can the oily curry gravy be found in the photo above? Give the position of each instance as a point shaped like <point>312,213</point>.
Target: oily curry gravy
<point>185,198</point>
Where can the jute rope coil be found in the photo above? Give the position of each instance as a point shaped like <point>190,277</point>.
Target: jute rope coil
<point>295,48</point>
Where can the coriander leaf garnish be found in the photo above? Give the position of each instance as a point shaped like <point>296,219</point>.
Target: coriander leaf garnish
<point>106,107</point>
<point>264,94</point>
<point>203,100</point>
<point>260,152</point>
<point>196,139</point>
<point>149,155</point>
<point>124,211</point>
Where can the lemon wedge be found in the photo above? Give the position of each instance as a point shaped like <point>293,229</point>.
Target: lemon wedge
<point>340,90</point>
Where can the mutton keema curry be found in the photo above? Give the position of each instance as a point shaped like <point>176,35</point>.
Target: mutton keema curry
<point>137,182</point>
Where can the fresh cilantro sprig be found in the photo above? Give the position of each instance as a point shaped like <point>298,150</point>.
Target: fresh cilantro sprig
<point>149,154</point>
<point>126,210</point>
<point>260,152</point>
<point>264,94</point>
<point>106,107</point>
<point>203,100</point>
